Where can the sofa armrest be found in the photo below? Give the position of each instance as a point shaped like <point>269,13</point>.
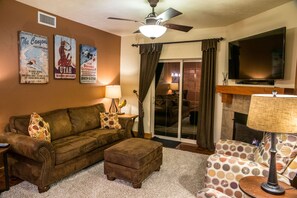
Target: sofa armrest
<point>127,124</point>
<point>40,151</point>
<point>236,149</point>
<point>224,172</point>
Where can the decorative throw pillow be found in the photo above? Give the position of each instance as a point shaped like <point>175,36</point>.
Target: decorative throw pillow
<point>109,121</point>
<point>38,128</point>
<point>286,147</point>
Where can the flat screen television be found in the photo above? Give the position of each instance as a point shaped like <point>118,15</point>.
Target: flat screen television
<point>258,58</point>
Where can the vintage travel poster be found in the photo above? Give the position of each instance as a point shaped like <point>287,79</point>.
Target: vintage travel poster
<point>33,51</point>
<point>88,64</point>
<point>65,58</point>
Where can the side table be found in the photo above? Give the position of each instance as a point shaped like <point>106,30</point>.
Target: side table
<point>3,151</point>
<point>129,116</point>
<point>251,185</point>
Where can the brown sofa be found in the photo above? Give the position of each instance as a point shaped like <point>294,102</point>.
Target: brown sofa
<point>77,141</point>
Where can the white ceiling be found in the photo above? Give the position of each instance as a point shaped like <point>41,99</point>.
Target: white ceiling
<point>196,13</point>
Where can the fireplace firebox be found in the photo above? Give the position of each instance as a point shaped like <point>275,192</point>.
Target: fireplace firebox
<point>243,133</point>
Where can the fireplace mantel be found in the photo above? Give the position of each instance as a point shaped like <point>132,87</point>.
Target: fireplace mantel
<point>228,91</point>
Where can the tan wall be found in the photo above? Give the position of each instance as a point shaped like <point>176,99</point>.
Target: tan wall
<point>17,99</point>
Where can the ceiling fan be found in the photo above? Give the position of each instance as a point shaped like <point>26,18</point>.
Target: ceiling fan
<point>153,26</point>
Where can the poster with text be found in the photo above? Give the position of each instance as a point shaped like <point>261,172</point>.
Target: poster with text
<point>88,64</point>
<point>65,58</point>
<point>33,52</point>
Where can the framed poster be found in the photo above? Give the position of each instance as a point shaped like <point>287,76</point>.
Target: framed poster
<point>33,52</point>
<point>88,64</point>
<point>65,58</point>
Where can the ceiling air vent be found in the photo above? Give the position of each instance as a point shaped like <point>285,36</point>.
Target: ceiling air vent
<point>46,19</point>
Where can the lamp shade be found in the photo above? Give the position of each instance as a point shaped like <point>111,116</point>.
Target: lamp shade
<point>152,31</point>
<point>113,91</point>
<point>174,86</point>
<point>276,114</point>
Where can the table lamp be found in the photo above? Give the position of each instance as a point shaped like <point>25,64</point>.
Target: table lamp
<point>113,92</point>
<point>174,87</point>
<point>274,114</point>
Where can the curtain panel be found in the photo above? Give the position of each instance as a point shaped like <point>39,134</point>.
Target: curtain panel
<point>150,54</point>
<point>207,95</point>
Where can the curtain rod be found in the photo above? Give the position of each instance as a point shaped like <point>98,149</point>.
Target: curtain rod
<point>174,42</point>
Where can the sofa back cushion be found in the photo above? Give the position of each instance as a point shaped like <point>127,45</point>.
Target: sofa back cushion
<point>19,124</point>
<point>85,118</point>
<point>58,121</point>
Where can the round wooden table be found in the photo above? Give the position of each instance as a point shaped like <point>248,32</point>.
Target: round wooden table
<point>251,185</point>
<point>3,151</point>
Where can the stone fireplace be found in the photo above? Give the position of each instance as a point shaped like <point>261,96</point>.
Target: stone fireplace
<point>240,104</point>
<point>236,100</point>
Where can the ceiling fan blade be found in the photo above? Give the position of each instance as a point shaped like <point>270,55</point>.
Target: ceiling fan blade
<point>168,14</point>
<point>137,31</point>
<point>183,28</point>
<point>122,19</point>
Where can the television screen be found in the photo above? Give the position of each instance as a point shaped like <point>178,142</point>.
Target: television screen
<point>259,57</point>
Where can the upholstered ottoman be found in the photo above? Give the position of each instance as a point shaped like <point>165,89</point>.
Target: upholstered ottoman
<point>132,160</point>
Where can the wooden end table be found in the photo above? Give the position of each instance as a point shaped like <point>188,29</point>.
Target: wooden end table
<point>129,116</point>
<point>3,151</point>
<point>251,185</point>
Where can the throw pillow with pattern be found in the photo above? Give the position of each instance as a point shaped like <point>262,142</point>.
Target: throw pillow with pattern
<point>286,147</point>
<point>38,128</point>
<point>109,121</point>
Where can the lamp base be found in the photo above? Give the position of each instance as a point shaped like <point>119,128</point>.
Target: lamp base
<point>275,190</point>
<point>113,107</point>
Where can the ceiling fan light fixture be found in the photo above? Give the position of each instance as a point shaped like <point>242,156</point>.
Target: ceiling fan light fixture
<point>152,31</point>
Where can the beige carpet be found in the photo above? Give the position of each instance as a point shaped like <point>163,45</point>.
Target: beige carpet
<point>181,175</point>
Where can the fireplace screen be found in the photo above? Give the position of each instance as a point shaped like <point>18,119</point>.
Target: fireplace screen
<point>242,133</point>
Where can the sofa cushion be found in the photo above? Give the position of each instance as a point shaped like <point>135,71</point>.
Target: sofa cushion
<point>85,118</point>
<point>70,147</point>
<point>38,128</point>
<point>105,136</point>
<point>59,122</point>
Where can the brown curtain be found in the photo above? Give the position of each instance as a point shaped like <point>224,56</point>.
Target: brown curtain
<point>207,95</point>
<point>150,54</point>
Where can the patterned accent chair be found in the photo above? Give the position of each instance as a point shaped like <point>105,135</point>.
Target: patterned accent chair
<point>210,193</point>
<point>234,159</point>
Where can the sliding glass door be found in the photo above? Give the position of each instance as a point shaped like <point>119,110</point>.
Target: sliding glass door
<point>167,99</point>
<point>177,85</point>
<point>190,96</point>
